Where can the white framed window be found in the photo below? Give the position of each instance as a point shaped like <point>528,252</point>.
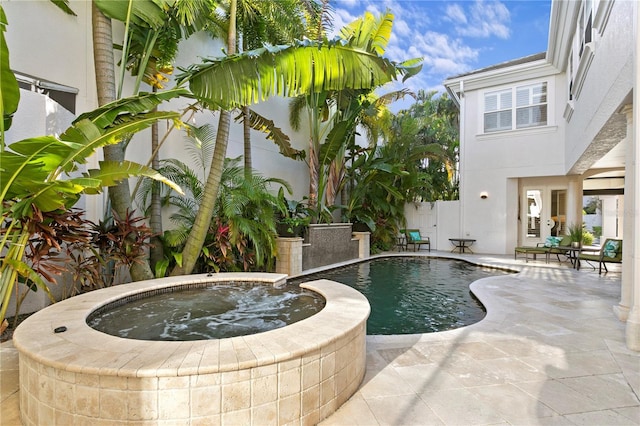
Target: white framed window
<point>518,107</point>
<point>497,111</point>
<point>585,25</point>
<point>531,106</point>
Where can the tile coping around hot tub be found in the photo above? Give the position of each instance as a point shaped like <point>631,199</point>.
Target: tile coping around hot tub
<point>81,349</point>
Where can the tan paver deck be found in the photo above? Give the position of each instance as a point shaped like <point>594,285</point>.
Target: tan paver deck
<point>549,352</point>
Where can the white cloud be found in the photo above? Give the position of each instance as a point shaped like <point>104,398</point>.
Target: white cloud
<point>455,13</point>
<point>341,17</point>
<point>486,19</point>
<point>415,34</point>
<point>401,28</point>
<point>347,3</point>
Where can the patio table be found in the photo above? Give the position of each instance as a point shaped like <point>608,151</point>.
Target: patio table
<point>574,252</point>
<point>462,244</point>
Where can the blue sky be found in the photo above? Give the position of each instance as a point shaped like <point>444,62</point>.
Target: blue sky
<point>454,37</point>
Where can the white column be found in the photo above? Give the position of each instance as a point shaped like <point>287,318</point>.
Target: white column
<point>631,269</point>
<point>574,200</point>
<point>626,291</point>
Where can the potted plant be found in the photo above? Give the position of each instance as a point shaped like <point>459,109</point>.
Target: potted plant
<point>292,218</point>
<point>292,226</point>
<point>576,232</point>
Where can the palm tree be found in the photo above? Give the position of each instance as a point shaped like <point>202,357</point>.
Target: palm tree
<point>302,68</point>
<point>334,115</point>
<point>244,206</point>
<point>262,22</point>
<point>153,30</point>
<point>431,122</point>
<point>196,238</point>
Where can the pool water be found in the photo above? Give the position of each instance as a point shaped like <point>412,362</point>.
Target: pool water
<point>213,312</point>
<point>415,295</point>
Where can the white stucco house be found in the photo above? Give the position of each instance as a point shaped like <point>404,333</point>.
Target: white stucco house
<point>538,133</point>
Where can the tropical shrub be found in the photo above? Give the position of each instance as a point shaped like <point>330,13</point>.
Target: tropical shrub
<point>241,234</point>
<point>41,174</point>
<point>294,218</point>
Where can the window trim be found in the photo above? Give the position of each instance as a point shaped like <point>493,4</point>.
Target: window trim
<point>514,107</point>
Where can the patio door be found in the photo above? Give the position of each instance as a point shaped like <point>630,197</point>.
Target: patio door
<point>543,214</point>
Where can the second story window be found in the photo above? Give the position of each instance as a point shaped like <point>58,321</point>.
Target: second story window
<point>497,111</point>
<point>516,108</point>
<point>531,106</point>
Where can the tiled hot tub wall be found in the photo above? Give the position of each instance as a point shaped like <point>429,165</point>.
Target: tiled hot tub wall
<point>300,373</point>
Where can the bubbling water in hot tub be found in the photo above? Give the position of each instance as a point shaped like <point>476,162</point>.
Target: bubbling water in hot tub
<point>214,311</point>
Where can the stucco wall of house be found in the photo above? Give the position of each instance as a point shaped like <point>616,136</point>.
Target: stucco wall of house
<point>609,80</point>
<point>493,162</point>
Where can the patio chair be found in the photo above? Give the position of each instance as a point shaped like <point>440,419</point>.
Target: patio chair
<point>414,237</point>
<point>610,252</point>
<point>535,251</point>
<point>541,248</point>
<point>560,248</point>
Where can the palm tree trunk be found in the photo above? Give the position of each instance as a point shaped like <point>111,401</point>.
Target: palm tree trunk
<point>156,252</point>
<point>104,64</point>
<point>201,225</point>
<point>313,177</point>
<point>198,234</point>
<point>247,142</point>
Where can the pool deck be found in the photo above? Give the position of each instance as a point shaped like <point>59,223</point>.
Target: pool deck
<point>549,352</point>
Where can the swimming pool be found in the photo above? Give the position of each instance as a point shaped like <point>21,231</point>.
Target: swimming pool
<point>414,294</point>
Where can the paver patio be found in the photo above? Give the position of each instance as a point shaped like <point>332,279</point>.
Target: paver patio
<point>550,351</point>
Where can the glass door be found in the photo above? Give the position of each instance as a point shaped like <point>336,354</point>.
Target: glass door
<point>544,214</point>
<point>558,212</point>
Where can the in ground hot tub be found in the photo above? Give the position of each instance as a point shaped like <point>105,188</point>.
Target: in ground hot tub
<point>301,372</point>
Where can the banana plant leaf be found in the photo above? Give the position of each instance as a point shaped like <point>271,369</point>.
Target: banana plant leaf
<point>9,90</point>
<point>112,172</point>
<point>292,70</point>
<point>273,133</point>
<point>370,33</point>
<point>113,112</point>
<point>140,12</point>
<point>31,172</point>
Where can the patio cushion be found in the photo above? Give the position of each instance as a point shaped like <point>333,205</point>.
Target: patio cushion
<point>414,235</point>
<point>611,248</point>
<point>552,241</point>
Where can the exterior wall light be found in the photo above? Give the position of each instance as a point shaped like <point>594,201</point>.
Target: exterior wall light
<point>484,195</point>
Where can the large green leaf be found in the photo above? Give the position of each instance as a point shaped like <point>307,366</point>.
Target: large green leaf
<point>302,68</point>
<point>274,133</point>
<point>9,90</point>
<point>31,174</point>
<point>42,147</point>
<point>47,196</point>
<point>33,164</point>
<point>109,114</point>
<point>14,167</point>
<point>369,32</point>
<point>88,135</point>
<point>112,172</point>
<point>149,13</point>
<point>335,141</point>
